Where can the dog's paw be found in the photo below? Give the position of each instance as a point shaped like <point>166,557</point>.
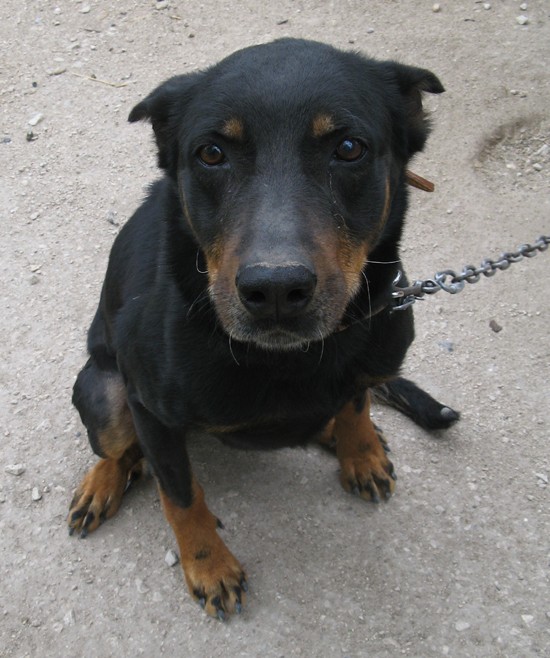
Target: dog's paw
<point>216,580</point>
<point>370,475</point>
<point>99,495</point>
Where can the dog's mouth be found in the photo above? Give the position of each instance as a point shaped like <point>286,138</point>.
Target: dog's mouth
<point>277,337</point>
<point>297,333</point>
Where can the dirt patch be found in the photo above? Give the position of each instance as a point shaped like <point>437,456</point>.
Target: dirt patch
<point>517,154</point>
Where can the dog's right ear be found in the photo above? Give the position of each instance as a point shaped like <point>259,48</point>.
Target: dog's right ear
<point>165,108</point>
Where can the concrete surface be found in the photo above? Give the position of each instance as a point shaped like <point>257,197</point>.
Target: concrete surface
<point>457,564</point>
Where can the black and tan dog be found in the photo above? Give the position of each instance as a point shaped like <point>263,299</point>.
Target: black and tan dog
<point>248,296</point>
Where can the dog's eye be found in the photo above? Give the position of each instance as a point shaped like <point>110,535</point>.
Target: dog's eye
<point>350,150</point>
<point>211,155</point>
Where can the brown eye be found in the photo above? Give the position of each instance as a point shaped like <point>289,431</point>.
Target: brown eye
<point>350,150</point>
<point>211,155</point>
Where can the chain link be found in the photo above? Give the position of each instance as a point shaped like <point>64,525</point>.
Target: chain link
<point>451,282</point>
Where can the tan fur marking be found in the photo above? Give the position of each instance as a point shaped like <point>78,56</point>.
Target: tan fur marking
<point>352,259</point>
<point>387,204</point>
<point>322,125</point>
<point>233,129</point>
<point>210,569</point>
<point>364,466</point>
<point>100,493</point>
<point>120,433</point>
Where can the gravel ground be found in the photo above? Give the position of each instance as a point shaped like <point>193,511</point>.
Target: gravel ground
<point>457,564</point>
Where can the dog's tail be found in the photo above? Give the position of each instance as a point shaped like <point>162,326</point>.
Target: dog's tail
<point>414,402</point>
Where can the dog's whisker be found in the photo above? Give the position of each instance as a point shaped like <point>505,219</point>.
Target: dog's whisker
<point>322,347</point>
<point>199,299</point>
<point>232,353</point>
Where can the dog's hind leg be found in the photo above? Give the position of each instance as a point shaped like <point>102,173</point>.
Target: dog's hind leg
<point>100,397</point>
<point>410,399</point>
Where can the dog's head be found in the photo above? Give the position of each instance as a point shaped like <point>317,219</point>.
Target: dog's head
<point>289,158</point>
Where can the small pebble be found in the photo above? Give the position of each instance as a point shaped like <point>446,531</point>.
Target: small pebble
<point>161,4</point>
<point>522,20</point>
<point>495,326</point>
<point>523,6</point>
<point>36,119</point>
<point>462,625</point>
<point>69,619</point>
<point>486,5</point>
<point>447,345</point>
<point>57,71</point>
<point>14,469</point>
<point>36,495</point>
<point>30,136</point>
<point>537,166</point>
<point>436,8</point>
<point>141,586</point>
<point>542,477</point>
<point>85,9</point>
<point>527,619</point>
<point>171,558</point>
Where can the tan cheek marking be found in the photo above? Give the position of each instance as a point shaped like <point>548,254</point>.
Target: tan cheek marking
<point>387,204</point>
<point>233,129</point>
<point>352,259</point>
<point>222,263</point>
<point>322,125</point>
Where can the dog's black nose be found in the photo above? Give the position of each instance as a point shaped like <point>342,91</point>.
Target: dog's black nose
<point>275,292</point>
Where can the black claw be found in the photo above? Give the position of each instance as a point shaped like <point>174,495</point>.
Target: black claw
<point>200,596</point>
<point>371,489</point>
<point>387,494</point>
<point>244,585</point>
<point>220,524</point>
<point>238,604</point>
<point>393,474</point>
<point>220,612</point>
<point>71,532</point>
<point>84,533</point>
<point>90,518</point>
<point>355,490</point>
<point>77,515</point>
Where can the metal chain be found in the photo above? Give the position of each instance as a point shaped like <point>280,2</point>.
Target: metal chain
<point>451,282</point>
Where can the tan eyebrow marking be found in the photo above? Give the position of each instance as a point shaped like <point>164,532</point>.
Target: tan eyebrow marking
<point>233,129</point>
<point>322,125</point>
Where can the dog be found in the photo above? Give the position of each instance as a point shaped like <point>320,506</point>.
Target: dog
<point>249,295</point>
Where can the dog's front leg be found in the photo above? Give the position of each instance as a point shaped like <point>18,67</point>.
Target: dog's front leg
<point>214,576</point>
<point>361,450</point>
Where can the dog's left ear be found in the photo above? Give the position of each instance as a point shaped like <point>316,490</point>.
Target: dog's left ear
<point>165,108</point>
<point>412,82</point>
